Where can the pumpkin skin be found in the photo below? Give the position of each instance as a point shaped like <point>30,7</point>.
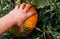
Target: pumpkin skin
<point>28,25</point>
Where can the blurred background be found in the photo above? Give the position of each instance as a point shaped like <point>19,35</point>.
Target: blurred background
<point>48,26</point>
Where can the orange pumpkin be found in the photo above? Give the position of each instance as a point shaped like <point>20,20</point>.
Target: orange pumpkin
<point>28,25</point>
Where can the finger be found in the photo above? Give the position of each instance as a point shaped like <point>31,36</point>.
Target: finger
<point>22,6</point>
<point>20,28</point>
<point>16,7</point>
<point>27,7</point>
<point>30,14</point>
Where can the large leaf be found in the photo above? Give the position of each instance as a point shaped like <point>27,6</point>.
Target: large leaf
<point>39,3</point>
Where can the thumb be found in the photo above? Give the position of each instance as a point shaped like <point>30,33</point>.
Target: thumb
<point>21,29</point>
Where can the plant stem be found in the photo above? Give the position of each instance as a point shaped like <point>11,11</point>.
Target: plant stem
<point>38,29</point>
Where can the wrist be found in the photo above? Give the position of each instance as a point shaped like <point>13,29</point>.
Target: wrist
<point>6,22</point>
<point>8,19</point>
<point>11,19</point>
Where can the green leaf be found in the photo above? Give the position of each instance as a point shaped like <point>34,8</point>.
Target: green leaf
<point>39,3</point>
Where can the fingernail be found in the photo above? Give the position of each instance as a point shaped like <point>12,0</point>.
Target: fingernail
<point>23,3</point>
<point>29,5</point>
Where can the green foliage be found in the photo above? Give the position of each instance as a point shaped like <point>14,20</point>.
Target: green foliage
<point>48,26</point>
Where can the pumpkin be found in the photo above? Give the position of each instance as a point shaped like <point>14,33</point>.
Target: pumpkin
<point>28,25</point>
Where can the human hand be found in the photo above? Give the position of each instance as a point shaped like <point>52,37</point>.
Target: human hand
<point>20,14</point>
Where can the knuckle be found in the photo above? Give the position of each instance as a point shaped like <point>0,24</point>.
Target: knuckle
<point>26,16</point>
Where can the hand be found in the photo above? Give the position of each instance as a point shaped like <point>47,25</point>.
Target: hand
<point>20,14</point>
